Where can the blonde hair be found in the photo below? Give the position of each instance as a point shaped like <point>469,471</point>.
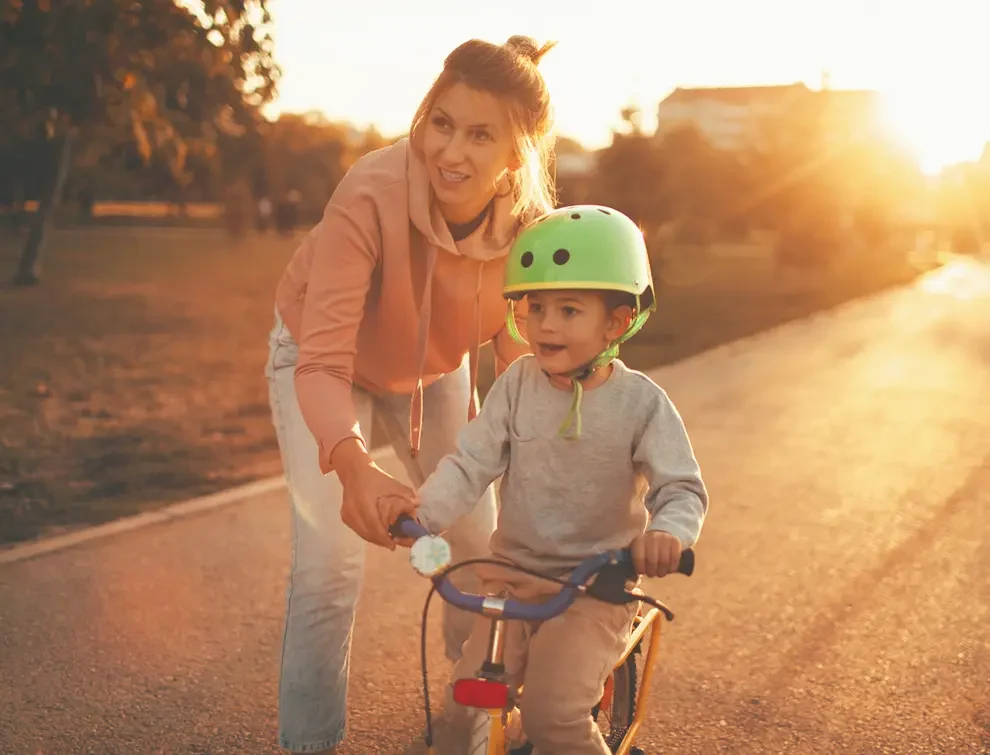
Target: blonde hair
<point>509,72</point>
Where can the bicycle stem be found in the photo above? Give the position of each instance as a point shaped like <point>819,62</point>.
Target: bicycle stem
<point>496,644</point>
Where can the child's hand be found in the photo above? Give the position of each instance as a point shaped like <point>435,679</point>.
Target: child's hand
<point>389,509</point>
<point>656,553</point>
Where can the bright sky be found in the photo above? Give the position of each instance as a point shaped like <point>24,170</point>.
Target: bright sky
<point>373,62</point>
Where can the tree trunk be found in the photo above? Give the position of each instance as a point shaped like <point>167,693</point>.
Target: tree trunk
<point>29,268</point>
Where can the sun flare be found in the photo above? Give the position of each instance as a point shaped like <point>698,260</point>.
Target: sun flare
<point>938,133</point>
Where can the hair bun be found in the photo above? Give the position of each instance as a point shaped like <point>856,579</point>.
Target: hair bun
<point>528,48</point>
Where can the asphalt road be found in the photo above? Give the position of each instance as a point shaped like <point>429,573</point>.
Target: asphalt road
<point>841,602</point>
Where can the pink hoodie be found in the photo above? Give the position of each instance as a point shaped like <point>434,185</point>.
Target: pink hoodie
<point>380,295</point>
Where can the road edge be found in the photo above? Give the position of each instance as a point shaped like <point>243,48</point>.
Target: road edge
<point>171,512</point>
<point>34,548</point>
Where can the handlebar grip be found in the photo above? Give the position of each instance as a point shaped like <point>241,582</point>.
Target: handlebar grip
<point>685,566</point>
<point>406,526</point>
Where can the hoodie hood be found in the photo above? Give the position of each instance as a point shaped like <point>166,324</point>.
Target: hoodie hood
<point>491,241</point>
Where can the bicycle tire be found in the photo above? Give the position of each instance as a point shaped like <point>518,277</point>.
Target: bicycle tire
<point>622,706</point>
<point>479,725</point>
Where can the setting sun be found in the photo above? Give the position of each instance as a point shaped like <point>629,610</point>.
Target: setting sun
<point>931,64</point>
<point>935,129</point>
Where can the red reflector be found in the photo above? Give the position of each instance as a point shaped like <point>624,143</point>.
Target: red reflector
<point>481,693</point>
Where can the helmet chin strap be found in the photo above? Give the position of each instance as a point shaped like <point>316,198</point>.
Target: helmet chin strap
<point>590,367</point>
<point>571,427</point>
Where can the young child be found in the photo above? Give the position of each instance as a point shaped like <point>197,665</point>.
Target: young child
<point>577,438</point>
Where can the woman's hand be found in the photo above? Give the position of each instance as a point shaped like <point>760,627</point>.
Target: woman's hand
<point>365,484</point>
<point>391,508</point>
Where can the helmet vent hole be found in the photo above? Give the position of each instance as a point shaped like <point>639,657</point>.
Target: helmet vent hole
<point>561,256</point>
<point>576,216</point>
<point>606,212</point>
<point>527,259</point>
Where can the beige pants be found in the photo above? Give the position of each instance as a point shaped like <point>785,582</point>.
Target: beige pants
<point>562,663</point>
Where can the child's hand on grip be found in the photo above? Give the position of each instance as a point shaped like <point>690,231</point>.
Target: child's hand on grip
<point>656,553</point>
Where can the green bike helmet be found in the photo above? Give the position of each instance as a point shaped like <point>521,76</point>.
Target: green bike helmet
<point>585,247</point>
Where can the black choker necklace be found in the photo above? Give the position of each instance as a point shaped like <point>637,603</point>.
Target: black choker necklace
<point>460,231</point>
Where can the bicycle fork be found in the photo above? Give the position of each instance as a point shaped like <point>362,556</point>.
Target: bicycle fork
<point>495,722</point>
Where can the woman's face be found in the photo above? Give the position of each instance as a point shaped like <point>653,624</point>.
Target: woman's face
<point>468,145</point>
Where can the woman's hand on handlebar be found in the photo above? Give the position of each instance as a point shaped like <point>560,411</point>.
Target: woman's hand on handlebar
<point>656,553</point>
<point>365,484</point>
<point>391,508</point>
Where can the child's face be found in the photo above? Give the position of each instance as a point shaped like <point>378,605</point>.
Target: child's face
<point>567,329</point>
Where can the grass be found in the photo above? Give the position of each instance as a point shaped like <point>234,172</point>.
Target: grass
<point>133,376</point>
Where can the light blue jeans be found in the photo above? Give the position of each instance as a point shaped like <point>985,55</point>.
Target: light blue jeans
<point>328,557</point>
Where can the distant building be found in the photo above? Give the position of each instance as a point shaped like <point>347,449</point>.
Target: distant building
<point>731,117</point>
<point>850,114</point>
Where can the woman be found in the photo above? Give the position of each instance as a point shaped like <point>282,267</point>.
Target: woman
<point>382,311</point>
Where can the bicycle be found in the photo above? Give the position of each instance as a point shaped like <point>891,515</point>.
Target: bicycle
<point>496,722</point>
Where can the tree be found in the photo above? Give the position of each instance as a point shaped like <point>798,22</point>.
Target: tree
<point>962,206</point>
<point>826,177</point>
<point>701,184</point>
<point>175,80</point>
<point>301,151</point>
<point>308,154</point>
<point>630,174</point>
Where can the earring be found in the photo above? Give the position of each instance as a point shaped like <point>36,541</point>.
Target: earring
<point>508,179</point>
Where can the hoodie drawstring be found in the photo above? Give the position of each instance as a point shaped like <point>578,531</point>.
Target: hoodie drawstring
<point>475,346</point>
<point>425,311</point>
<point>416,406</point>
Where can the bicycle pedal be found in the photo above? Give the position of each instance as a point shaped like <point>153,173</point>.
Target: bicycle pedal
<point>636,751</point>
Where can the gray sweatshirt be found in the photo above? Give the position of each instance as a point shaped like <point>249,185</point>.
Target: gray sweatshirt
<point>563,500</point>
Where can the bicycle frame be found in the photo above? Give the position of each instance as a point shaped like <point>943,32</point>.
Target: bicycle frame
<point>493,671</point>
<point>488,692</point>
<point>493,659</point>
<point>640,625</point>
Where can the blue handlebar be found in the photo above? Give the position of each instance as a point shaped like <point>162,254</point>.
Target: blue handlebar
<point>407,527</point>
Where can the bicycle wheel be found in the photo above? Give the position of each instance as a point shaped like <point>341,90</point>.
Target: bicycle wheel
<point>484,738</point>
<point>614,714</point>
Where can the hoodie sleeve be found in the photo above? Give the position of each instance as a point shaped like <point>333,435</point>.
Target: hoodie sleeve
<point>481,455</point>
<point>346,253</point>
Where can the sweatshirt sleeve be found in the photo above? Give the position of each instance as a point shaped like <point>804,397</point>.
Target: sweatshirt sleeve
<point>344,260</point>
<point>481,455</point>
<point>677,499</point>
